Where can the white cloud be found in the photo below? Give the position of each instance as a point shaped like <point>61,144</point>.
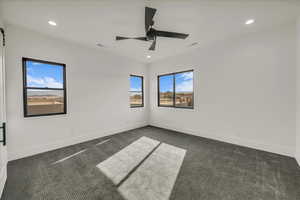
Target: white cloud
<point>43,82</point>
<point>185,82</point>
<point>135,89</point>
<point>34,81</point>
<point>52,83</point>
<point>185,86</point>
<point>187,76</point>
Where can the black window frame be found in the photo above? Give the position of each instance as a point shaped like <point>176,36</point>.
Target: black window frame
<point>25,87</point>
<point>174,90</point>
<point>142,105</point>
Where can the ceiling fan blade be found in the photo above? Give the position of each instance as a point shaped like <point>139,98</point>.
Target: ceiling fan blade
<point>171,34</point>
<point>152,47</point>
<point>149,14</point>
<point>135,38</point>
<point>141,38</point>
<point>122,38</point>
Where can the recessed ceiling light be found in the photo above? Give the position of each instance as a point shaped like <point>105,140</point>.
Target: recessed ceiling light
<point>52,23</point>
<point>148,56</point>
<point>249,21</point>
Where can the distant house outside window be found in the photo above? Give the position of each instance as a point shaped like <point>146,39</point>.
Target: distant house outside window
<point>176,90</point>
<point>44,88</point>
<point>136,91</point>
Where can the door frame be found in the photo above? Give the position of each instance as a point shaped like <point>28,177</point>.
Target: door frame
<point>3,148</point>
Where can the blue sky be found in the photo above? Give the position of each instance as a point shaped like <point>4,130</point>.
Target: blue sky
<point>135,83</point>
<point>44,75</point>
<point>166,83</point>
<point>183,82</point>
<point>51,76</point>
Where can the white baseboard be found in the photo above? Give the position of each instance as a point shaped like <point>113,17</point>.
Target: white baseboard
<point>25,152</point>
<point>3,177</point>
<point>282,150</point>
<point>298,160</point>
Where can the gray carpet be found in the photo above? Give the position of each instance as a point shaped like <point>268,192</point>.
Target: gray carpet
<point>211,170</point>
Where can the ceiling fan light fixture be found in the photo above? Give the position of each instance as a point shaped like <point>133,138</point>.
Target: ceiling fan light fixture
<point>148,56</point>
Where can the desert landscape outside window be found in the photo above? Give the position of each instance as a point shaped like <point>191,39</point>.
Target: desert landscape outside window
<point>166,90</point>
<point>44,88</point>
<point>184,90</point>
<point>176,90</point>
<point>136,91</point>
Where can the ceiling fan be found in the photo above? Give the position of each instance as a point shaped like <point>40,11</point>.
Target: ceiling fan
<point>151,33</point>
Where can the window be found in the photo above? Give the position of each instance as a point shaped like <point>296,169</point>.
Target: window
<point>166,90</point>
<point>44,88</point>
<point>184,91</point>
<point>176,90</point>
<point>136,91</point>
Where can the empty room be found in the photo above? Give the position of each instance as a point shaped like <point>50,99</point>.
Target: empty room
<point>149,100</point>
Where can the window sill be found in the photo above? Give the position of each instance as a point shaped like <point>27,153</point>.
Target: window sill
<point>190,108</point>
<point>136,106</point>
<point>41,115</point>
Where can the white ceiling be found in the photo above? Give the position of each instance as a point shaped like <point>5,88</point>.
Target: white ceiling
<point>90,22</point>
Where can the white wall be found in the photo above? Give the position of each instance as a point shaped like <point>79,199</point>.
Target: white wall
<point>97,91</point>
<point>298,94</point>
<point>245,91</point>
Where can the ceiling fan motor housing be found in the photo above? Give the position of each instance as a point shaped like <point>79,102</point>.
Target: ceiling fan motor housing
<point>151,34</point>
